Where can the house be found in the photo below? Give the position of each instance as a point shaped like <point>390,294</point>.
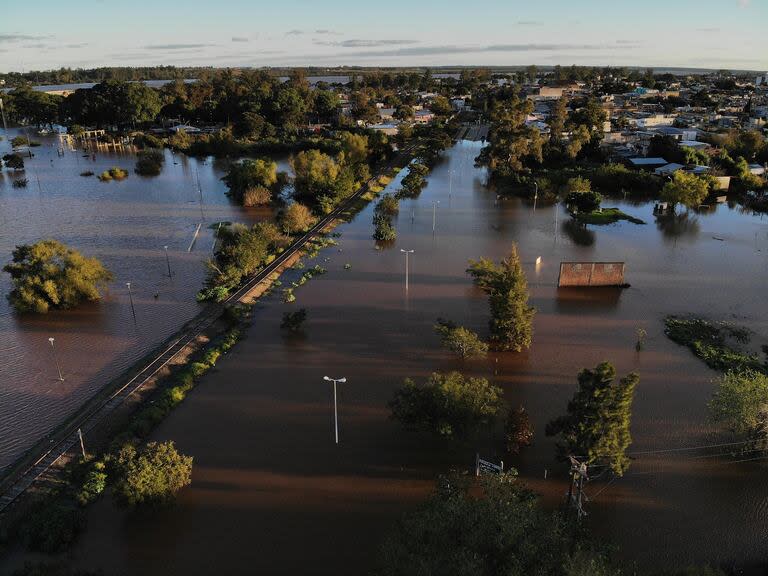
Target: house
<point>423,117</point>
<point>386,114</point>
<point>694,145</point>
<point>388,129</point>
<point>648,163</point>
<point>668,169</point>
<point>757,170</point>
<point>185,127</point>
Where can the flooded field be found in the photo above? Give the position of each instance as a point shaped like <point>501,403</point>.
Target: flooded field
<point>126,224</point>
<point>268,479</point>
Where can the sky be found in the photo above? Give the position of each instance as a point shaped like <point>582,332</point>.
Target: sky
<point>45,34</point>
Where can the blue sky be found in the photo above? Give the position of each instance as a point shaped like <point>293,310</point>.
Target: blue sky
<point>46,34</point>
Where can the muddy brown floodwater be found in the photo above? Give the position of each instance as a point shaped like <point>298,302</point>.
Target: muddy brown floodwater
<point>125,224</point>
<point>272,494</point>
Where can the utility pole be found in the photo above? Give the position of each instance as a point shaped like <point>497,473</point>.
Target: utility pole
<point>434,214</point>
<point>2,113</point>
<point>82,444</point>
<point>56,359</point>
<point>578,475</point>
<point>335,405</point>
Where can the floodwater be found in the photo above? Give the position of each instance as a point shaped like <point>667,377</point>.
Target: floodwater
<point>269,481</point>
<point>126,224</point>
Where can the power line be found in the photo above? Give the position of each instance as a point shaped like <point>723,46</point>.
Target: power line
<point>671,450</point>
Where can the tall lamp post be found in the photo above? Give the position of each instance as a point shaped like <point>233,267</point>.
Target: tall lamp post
<point>335,408</point>
<point>535,194</point>
<point>167,260</point>
<point>406,252</point>
<point>55,359</point>
<point>434,214</point>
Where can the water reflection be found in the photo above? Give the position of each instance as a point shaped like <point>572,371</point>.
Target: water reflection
<point>578,232</point>
<point>674,226</point>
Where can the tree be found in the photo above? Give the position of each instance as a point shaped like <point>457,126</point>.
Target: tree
<point>387,205</point>
<point>294,321</point>
<point>151,476</point>
<point>249,180</point>
<point>581,198</point>
<point>449,405</point>
<point>14,161</point>
<point>461,341</point>
<point>507,289</point>
<point>686,189</point>
<point>354,147</point>
<point>49,274</point>
<point>580,136</point>
<point>491,527</point>
<point>149,162</point>
<point>557,119</point>
<point>297,218</point>
<point>596,426</point>
<point>314,173</point>
<point>518,431</point>
<point>740,403</point>
<point>440,106</point>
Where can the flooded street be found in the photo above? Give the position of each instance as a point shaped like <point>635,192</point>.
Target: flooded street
<point>267,476</point>
<point>126,224</point>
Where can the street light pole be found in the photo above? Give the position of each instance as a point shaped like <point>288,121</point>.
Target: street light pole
<point>167,261</point>
<point>406,252</point>
<point>130,295</point>
<point>434,214</point>
<point>335,408</point>
<point>55,359</point>
<point>535,194</point>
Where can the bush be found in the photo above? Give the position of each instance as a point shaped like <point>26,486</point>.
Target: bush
<point>113,173</point>
<point>383,229</point>
<point>152,476</point>
<point>388,206</point>
<point>448,405</point>
<point>256,196</point>
<point>461,341</point>
<point>94,483</point>
<point>253,180</point>
<point>49,274</point>
<point>20,183</point>
<point>87,173</point>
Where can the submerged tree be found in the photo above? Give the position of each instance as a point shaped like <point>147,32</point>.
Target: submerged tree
<point>496,528</point>
<point>596,426</point>
<point>151,476</point>
<point>740,403</point>
<point>511,321</point>
<point>49,274</point>
<point>450,405</point>
<point>461,341</point>
<point>686,189</point>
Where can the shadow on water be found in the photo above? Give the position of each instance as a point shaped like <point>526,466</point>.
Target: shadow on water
<point>578,233</point>
<point>678,226</point>
<point>571,300</point>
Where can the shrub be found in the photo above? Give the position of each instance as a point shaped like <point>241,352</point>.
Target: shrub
<point>113,173</point>
<point>461,341</point>
<point>388,206</point>
<point>20,183</point>
<point>86,173</point>
<point>449,405</point>
<point>152,476</point>
<point>94,483</point>
<point>256,196</point>
<point>252,178</point>
<point>52,527</point>
<point>49,274</point>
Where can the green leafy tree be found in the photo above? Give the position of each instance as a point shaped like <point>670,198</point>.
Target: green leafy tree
<point>461,341</point>
<point>249,179</point>
<point>518,431</point>
<point>740,403</point>
<point>580,196</point>
<point>450,405</point>
<point>49,274</point>
<point>511,321</point>
<point>151,476</point>
<point>492,528</point>
<point>580,136</point>
<point>557,119</point>
<point>596,426</point>
<point>294,321</point>
<point>149,162</point>
<point>440,106</point>
<point>354,147</point>
<point>686,189</point>
<point>314,173</point>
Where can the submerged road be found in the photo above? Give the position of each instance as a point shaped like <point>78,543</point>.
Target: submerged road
<point>67,439</point>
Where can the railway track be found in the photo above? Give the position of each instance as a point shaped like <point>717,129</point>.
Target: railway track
<point>68,438</point>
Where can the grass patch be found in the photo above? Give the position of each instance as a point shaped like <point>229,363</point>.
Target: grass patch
<point>716,343</point>
<point>606,216</point>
